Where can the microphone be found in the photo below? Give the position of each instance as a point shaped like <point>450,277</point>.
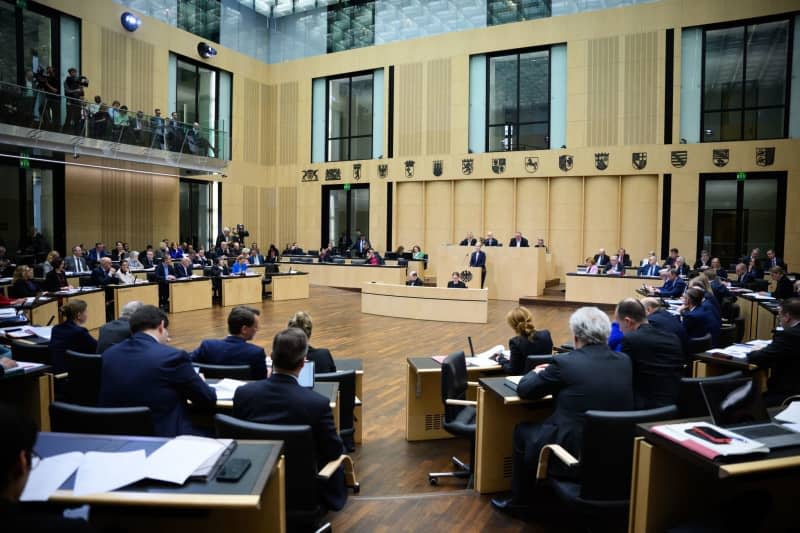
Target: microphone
<point>52,317</point>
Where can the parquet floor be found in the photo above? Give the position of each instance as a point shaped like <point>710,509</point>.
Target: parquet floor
<point>395,495</point>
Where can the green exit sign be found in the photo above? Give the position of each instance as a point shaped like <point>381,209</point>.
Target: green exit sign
<point>22,4</point>
<point>347,186</point>
<point>24,162</point>
<point>741,176</point>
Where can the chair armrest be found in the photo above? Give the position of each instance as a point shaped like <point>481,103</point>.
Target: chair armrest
<point>349,470</point>
<point>460,402</point>
<point>544,458</point>
<point>472,383</point>
<point>63,375</point>
<point>790,399</point>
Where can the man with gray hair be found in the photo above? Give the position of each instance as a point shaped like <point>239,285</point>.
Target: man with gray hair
<point>117,330</point>
<point>590,377</point>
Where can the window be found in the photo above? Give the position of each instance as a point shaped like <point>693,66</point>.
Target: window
<point>200,17</point>
<point>349,117</point>
<point>345,212</point>
<point>518,108</point>
<point>505,11</point>
<point>745,72</point>
<point>351,24</point>
<point>199,212</point>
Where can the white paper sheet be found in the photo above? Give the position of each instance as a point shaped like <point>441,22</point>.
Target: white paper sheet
<point>175,461</point>
<point>49,475</point>
<point>790,414</point>
<point>226,388</point>
<point>104,472</point>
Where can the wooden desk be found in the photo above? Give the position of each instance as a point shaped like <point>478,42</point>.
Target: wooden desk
<point>147,293</point>
<point>254,503</point>
<point>189,294</point>
<point>424,409</point>
<point>31,391</point>
<point>425,303</point>
<point>601,289</point>
<point>74,279</point>
<point>95,298</point>
<point>671,483</point>
<point>287,286</point>
<point>499,410</point>
<point>710,365</point>
<point>143,274</point>
<point>747,304</point>
<point>41,313</point>
<point>358,412</point>
<point>348,276</point>
<point>766,316</point>
<point>240,290</point>
<point>473,283</point>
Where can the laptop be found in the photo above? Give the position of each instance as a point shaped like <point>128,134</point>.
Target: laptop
<point>737,405</point>
<point>306,377</point>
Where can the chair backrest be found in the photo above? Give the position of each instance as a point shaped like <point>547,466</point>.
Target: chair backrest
<point>727,335</point>
<point>532,361</point>
<point>739,323</point>
<point>298,448</point>
<point>607,452</point>
<point>454,383</point>
<point>690,398</point>
<point>358,261</point>
<point>224,371</point>
<point>32,353</point>
<point>85,371</point>
<point>71,418</point>
<point>700,344</point>
<point>347,396</point>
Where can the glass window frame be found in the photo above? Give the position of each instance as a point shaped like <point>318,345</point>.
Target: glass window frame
<point>55,38</point>
<point>349,210</point>
<point>743,109</point>
<point>517,124</point>
<point>349,137</point>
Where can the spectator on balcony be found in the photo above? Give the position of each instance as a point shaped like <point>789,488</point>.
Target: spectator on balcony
<point>94,107</point>
<point>73,90</point>
<point>100,122</point>
<point>198,145</point>
<point>175,133</point>
<point>157,130</point>
<point>48,83</point>
<point>120,132</point>
<point>140,129</point>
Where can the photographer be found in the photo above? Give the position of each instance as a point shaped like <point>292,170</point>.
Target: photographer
<point>46,105</point>
<point>73,90</point>
<point>240,234</point>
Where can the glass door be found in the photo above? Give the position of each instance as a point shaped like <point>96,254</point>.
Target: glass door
<point>198,209</point>
<point>345,211</point>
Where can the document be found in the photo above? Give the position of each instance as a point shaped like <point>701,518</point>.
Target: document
<point>49,475</point>
<point>790,414</point>
<point>178,458</point>
<point>736,445</point>
<point>226,388</point>
<point>8,312</point>
<point>763,297</point>
<point>481,362</point>
<point>494,350</point>
<point>104,471</point>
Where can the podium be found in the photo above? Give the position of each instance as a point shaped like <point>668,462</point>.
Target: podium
<point>474,283</point>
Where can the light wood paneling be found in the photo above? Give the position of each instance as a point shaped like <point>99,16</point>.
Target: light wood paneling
<point>408,109</point>
<point>410,214</point>
<point>267,221</point>
<point>532,197</point>
<point>250,213</point>
<point>438,214</point>
<point>114,83</point>
<point>269,124</point>
<point>288,122</point>
<point>500,209</point>
<point>602,88</point>
<point>601,214</point>
<point>468,208</point>
<point>287,210</point>
<point>142,61</point>
<point>438,101</point>
<point>249,139</point>
<point>640,108</point>
<point>639,227</point>
<point>566,223</point>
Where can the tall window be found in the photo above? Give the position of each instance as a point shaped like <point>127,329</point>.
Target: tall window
<point>199,212</point>
<point>518,108</point>
<point>505,11</point>
<point>745,72</point>
<point>351,24</point>
<point>349,117</point>
<point>200,17</point>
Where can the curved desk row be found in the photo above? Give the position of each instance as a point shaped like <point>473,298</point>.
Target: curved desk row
<point>425,303</point>
<point>347,276</point>
<point>602,289</point>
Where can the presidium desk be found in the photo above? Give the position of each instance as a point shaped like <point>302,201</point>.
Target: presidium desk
<point>425,303</point>
<point>141,291</point>
<point>348,276</point>
<point>602,289</point>
<point>241,289</point>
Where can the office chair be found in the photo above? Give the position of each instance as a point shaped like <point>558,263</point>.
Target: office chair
<point>532,361</point>
<point>31,353</point>
<point>358,261</point>
<point>303,502</point>
<point>71,418</point>
<point>225,371</point>
<point>459,415</point>
<point>596,488</point>
<point>690,398</point>
<point>727,335</point>
<point>84,374</point>
<point>700,344</point>
<point>347,403</point>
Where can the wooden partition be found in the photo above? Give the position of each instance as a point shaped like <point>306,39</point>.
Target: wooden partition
<point>425,303</point>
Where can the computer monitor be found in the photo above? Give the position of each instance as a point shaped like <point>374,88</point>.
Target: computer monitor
<point>306,377</point>
<point>734,402</point>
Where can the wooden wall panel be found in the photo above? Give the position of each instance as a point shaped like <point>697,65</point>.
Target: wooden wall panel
<point>532,208</point>
<point>267,223</point>
<point>115,83</point>
<point>269,124</point>
<point>141,88</point>
<point>438,215</point>
<point>287,211</point>
<point>289,93</point>
<point>439,95</point>
<point>602,89</point>
<point>639,226</point>
<point>410,214</point>
<point>640,110</point>
<point>566,223</point>
<point>500,209</point>
<point>250,212</point>
<point>601,214</point>
<point>408,109</point>
<point>468,208</point>
<point>249,138</point>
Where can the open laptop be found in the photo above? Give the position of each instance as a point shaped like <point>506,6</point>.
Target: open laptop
<point>306,377</point>
<point>737,405</point>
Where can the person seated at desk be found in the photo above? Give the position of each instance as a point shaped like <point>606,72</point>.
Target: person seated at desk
<point>591,267</point>
<point>413,279</point>
<point>326,254</point>
<point>96,254</point>
<point>118,330</point>
<point>718,288</point>
<point>615,267</point>
<point>6,264</point>
<point>22,284</point>
<point>743,277</point>
<point>754,268</point>
<point>710,302</point>
<point>293,249</point>
<point>133,261</point>
<point>255,256</point>
<point>781,355</point>
<point>704,262</point>
<point>240,266</point>
<point>144,370</point>
<point>651,268</point>
<point>417,254</point>
<point>468,240</point>
<point>322,358</point>
<point>243,324</point>
<point>70,334</point>
<point>672,288</point>
<point>373,258</point>
<point>590,377</point>
<point>149,259</point>
<point>184,268</point>
<point>201,258</point>
<point>56,280</point>
<point>646,259</point>
<point>17,459</point>
<point>455,282</point>
<point>527,342</point>
<point>697,320</point>
<point>681,266</point>
<point>518,241</point>
<point>273,255</point>
<point>660,318</point>
<point>623,257</point>
<point>672,258</point>
<point>76,262</point>
<point>361,246</point>
<point>540,243</point>
<point>477,259</point>
<point>104,274</point>
<point>175,251</point>
<point>118,253</point>
<point>490,240</point>
<point>281,400</point>
<point>656,356</point>
<point>124,274</point>
<point>47,266</point>
<point>601,259</point>
<point>221,268</point>
<point>784,287</point>
<point>716,266</point>
<point>774,261</point>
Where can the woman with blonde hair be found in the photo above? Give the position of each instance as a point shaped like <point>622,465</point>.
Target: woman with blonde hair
<point>47,266</point>
<point>322,358</point>
<point>22,284</point>
<point>71,334</point>
<point>591,267</point>
<point>528,341</point>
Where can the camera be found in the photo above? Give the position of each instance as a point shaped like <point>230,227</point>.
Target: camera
<point>83,81</point>
<point>241,232</point>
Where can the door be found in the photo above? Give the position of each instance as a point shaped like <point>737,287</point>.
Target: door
<point>345,211</point>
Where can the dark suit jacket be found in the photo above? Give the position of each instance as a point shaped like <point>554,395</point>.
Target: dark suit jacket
<point>23,289</point>
<point>19,518</point>
<point>72,265</point>
<point>160,272</point>
<point>699,322</point>
<point>233,350</point>
<point>776,261</point>
<point>146,263</point>
<point>281,400</point>
<point>647,271</point>
<point>468,242</point>
<point>522,244</point>
<point>140,371</point>
<point>657,359</point>
<point>683,270</point>
<point>606,259</point>
<point>112,333</point>
<point>477,259</point>
<point>783,356</point>
<point>626,260</point>
<point>53,281</point>
<point>699,264</point>
<point>672,288</point>
<point>521,347</point>
<point>593,377</point>
<point>361,247</point>
<point>69,336</point>
<point>459,285</point>
<point>323,360</point>
<point>261,259</point>
<point>619,270</point>
<point>784,288</point>
<point>720,290</point>
<point>744,280</point>
<point>663,320</point>
<point>182,271</point>
<point>101,278</point>
<point>491,242</point>
<point>416,282</point>
<point>94,256</point>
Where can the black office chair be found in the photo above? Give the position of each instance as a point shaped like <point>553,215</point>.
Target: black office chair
<point>532,361</point>
<point>700,344</point>
<point>347,402</point>
<point>71,418</point>
<point>83,383</point>
<point>459,415</point>
<point>690,398</point>
<point>727,335</point>
<point>303,503</point>
<point>598,492</point>
<point>224,371</point>
<point>31,353</point>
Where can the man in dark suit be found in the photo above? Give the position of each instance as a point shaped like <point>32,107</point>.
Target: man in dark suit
<point>698,320</point>
<point>455,282</point>
<point>703,262</point>
<point>660,318</point>
<point>681,266</point>
<point>243,324</point>
<point>149,259</point>
<point>144,370</point>
<point>672,288</point>
<point>719,289</point>
<point>118,330</point>
<point>774,261</point>
<point>201,259</point>
<point>76,262</point>
<point>97,253</point>
<point>184,268</point>
<point>518,241</point>
<point>601,259</point>
<point>255,256</point>
<point>590,377</point>
<point>224,236</point>
<point>656,357</point>
<point>615,267</point>
<point>716,266</point>
<point>781,355</point>
<point>478,259</point>
<point>413,279</point>
<point>361,246</point>
<point>469,240</point>
<point>651,268</point>
<point>784,288</point>
<point>673,256</point>
<point>743,276</point>
<point>104,273</point>
<point>490,240</point>
<point>164,273</point>
<point>281,400</point>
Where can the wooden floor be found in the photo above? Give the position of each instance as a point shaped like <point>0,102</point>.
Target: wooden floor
<point>395,494</point>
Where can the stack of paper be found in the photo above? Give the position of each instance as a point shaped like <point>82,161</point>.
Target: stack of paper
<point>8,312</point>
<point>226,388</point>
<point>738,445</point>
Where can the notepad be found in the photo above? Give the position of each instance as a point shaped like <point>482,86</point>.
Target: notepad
<point>226,388</point>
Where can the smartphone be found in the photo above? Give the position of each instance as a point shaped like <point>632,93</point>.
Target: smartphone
<point>709,434</point>
<point>233,470</point>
